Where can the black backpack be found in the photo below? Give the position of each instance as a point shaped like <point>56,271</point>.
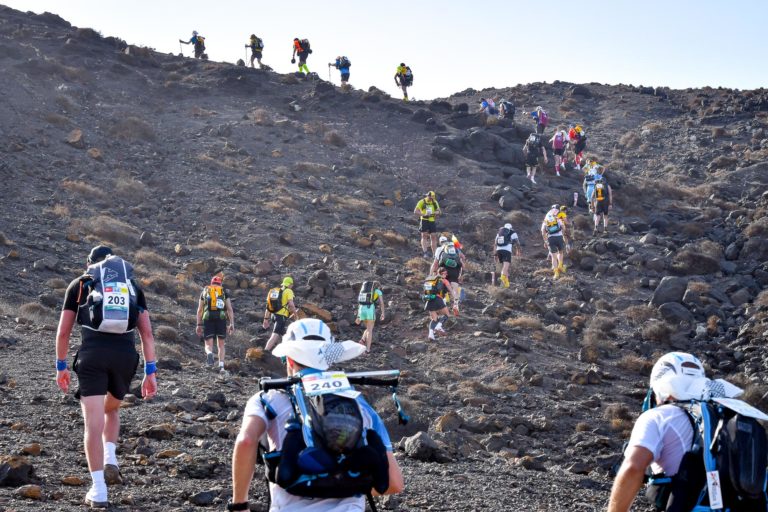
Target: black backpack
<point>739,448</point>
<point>365,297</point>
<point>509,109</point>
<point>534,141</point>
<point>275,299</point>
<point>305,45</point>
<point>449,257</point>
<point>344,62</point>
<point>504,237</point>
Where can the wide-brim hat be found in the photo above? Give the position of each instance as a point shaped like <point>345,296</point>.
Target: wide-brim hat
<point>318,354</point>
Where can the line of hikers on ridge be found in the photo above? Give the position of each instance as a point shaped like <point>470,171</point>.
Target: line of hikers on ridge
<point>302,50</point>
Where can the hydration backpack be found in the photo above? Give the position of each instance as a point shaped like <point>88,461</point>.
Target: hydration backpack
<point>543,118</point>
<point>365,297</point>
<point>600,191</point>
<point>559,141</point>
<point>344,62</point>
<point>305,46</point>
<point>509,109</point>
<point>534,141</point>
<point>449,256</point>
<point>553,226</point>
<point>200,42</point>
<point>215,301</point>
<point>110,304</point>
<point>408,76</point>
<point>733,448</point>
<point>275,299</point>
<point>433,287</point>
<point>504,237</point>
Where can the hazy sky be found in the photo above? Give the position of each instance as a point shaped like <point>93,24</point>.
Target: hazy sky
<point>452,45</point>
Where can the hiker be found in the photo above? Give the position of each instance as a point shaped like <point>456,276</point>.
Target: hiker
<point>302,49</point>
<point>199,44</point>
<point>553,231</point>
<point>588,186</point>
<point>342,64</point>
<point>370,294</point>
<point>563,216</point>
<point>488,107</point>
<point>532,150</point>
<point>280,307</point>
<point>404,79</point>
<point>427,209</point>
<point>541,118</point>
<point>602,200</point>
<point>257,46</point>
<point>436,286</point>
<point>676,437</point>
<point>452,258</point>
<point>578,141</point>
<point>559,141</point>
<point>505,240</point>
<point>308,348</point>
<point>215,319</point>
<point>108,313</point>
<point>506,109</point>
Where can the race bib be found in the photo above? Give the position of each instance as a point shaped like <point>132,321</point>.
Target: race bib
<point>325,382</point>
<point>363,297</point>
<point>428,211</point>
<point>714,489</point>
<point>116,301</point>
<point>219,303</point>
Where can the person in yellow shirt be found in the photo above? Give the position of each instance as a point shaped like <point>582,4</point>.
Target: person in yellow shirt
<point>427,209</point>
<point>280,308</point>
<point>404,79</point>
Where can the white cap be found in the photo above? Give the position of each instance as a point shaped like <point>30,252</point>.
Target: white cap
<point>443,239</point>
<point>508,226</point>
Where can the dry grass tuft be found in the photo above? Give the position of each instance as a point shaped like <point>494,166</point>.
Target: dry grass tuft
<point>112,230</point>
<point>526,322</point>
<point>57,120</point>
<point>762,299</point>
<point>166,333</point>
<point>132,129</point>
<point>713,324</point>
<point>59,210</point>
<point>699,287</point>
<point>151,259</point>
<point>261,117</point>
<point>392,238</point>
<point>758,228</point>
<point>164,351</point>
<point>214,247</point>
<point>334,138</point>
<point>718,132</point>
<point>657,331</point>
<point>630,140</point>
<point>4,240</point>
<point>35,312</point>
<point>518,218</point>
<point>82,188</point>
<point>418,265</point>
<point>636,364</point>
<point>56,283</point>
<point>127,186</point>
<point>583,426</point>
<point>639,314</point>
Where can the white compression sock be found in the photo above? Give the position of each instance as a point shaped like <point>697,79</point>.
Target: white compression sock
<point>109,453</point>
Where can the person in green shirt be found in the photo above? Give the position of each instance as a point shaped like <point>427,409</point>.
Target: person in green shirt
<point>427,210</point>
<point>369,295</point>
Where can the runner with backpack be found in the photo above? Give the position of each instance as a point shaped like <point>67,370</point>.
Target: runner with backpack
<point>342,64</point>
<point>506,109</point>
<point>404,79</point>
<point>554,232</point>
<point>427,210</point>
<point>588,186</point>
<point>602,201</point>
<point>503,242</point>
<point>109,305</point>
<point>367,298</point>
<point>700,448</point>
<point>301,47</point>
<point>541,118</point>
<point>337,458</point>
<point>215,319</point>
<point>280,307</point>
<point>198,43</point>
<point>257,46</point>
<point>533,149</point>
<point>434,290</point>
<point>559,141</point>
<point>452,258</point>
<point>578,141</point>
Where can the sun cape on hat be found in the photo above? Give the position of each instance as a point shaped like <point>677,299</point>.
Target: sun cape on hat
<point>310,343</point>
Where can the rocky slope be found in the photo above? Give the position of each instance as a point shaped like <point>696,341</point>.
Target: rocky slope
<point>189,167</point>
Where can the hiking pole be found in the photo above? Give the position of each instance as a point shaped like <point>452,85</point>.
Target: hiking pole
<point>181,50</point>
<point>329,72</point>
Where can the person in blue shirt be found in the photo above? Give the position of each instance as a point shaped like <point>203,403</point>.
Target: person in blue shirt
<point>199,43</point>
<point>342,64</point>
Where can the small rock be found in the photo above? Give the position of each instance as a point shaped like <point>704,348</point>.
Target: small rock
<point>181,250</point>
<point>75,481</point>
<point>530,463</point>
<point>33,449</point>
<point>448,422</point>
<point>203,498</point>
<point>162,432</point>
<point>422,447</point>
<point>95,153</point>
<point>31,492</point>
<point>580,468</point>
<point>76,139</point>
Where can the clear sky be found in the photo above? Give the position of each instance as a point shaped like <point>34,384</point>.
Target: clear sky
<point>455,44</point>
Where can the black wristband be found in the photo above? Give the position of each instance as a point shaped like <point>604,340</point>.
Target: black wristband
<point>238,506</point>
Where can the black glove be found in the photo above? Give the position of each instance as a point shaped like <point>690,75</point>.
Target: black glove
<point>293,61</point>
<point>309,51</point>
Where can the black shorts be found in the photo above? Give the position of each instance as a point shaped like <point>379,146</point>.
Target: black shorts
<point>453,274</point>
<point>102,368</point>
<point>280,324</point>
<point>435,304</point>
<point>540,128</point>
<point>345,77</point>
<point>602,207</point>
<point>504,256</point>
<point>427,226</point>
<point>559,152</point>
<point>302,57</point>
<point>215,327</point>
<point>556,243</point>
<point>580,146</point>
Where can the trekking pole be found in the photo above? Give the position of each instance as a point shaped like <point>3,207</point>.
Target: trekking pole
<point>329,72</point>
<point>181,50</point>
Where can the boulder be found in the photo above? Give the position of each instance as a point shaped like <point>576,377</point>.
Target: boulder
<point>315,311</point>
<point>15,471</point>
<point>76,139</point>
<point>675,313</point>
<point>422,447</point>
<point>509,202</point>
<point>670,289</point>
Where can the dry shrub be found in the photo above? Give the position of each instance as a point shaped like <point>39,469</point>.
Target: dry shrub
<point>505,384</point>
<point>621,425</point>
<point>173,76</point>
<point>755,395</point>
<point>713,324</point>
<point>334,138</point>
<point>635,364</point>
<point>417,265</point>
<point>199,111</point>
<point>699,287</point>
<point>690,230</point>
<point>82,188</point>
<point>630,140</point>
<point>164,351</point>
<point>112,230</point>
<point>151,259</point>
<point>4,240</point>
<point>759,228</point>
<point>261,117</point>
<point>353,203</point>
<point>491,120</point>
<point>315,128</point>
<point>127,186</point>
<point>762,299</point>
<point>526,322</point>
<point>311,167</point>
<point>392,238</point>
<point>34,312</point>
<point>56,283</point>
<point>57,120</point>
<point>132,129</point>
<point>583,426</point>
<point>718,132</point>
<point>691,261</point>
<point>653,126</point>
<point>639,314</point>
<point>657,331</point>
<point>569,104</point>
<point>589,353</point>
<point>166,333</point>
<point>419,390</point>
<point>366,162</point>
<point>518,218</point>
<point>59,210</point>
<point>582,222</point>
<point>214,247</point>
<point>617,412</point>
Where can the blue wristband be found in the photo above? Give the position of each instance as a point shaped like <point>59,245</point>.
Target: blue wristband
<point>150,367</point>
<point>61,365</point>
